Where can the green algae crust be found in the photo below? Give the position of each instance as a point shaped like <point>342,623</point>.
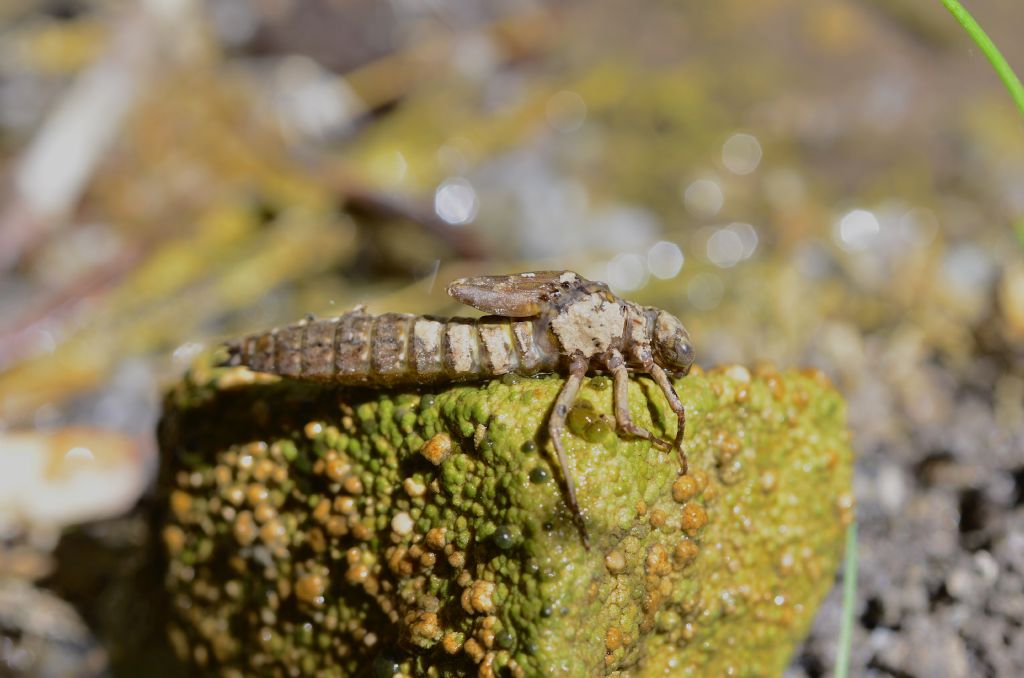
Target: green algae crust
<point>333,531</point>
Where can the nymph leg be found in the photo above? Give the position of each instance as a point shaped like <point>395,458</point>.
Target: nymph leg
<point>673,402</point>
<point>620,396</point>
<point>556,427</point>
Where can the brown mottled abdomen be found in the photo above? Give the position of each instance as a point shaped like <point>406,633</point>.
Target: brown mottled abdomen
<point>398,348</point>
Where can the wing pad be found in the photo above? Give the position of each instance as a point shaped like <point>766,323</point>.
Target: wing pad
<point>519,295</point>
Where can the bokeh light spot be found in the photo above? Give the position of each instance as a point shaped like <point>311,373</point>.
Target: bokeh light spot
<point>856,230</point>
<point>455,201</point>
<point>741,153</point>
<point>748,236</point>
<point>725,248</point>
<point>627,272</point>
<point>703,198</point>
<point>664,260</point>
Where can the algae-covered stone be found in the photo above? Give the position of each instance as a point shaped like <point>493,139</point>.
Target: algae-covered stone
<point>328,531</point>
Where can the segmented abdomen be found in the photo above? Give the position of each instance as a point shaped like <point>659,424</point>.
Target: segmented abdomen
<point>397,348</point>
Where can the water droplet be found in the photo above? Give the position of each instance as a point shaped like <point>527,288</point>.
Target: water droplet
<point>539,474</point>
<point>598,432</point>
<point>504,640</point>
<point>503,538</point>
<point>385,667</point>
<point>580,418</point>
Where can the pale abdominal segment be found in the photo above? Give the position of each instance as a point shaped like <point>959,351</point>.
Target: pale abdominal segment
<point>544,321</point>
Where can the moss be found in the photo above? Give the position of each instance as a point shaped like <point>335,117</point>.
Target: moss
<point>329,531</point>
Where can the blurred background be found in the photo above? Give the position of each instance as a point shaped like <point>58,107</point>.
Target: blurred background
<point>827,183</point>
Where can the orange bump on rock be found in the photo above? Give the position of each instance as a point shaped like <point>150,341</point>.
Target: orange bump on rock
<point>694,516</point>
<point>658,561</point>
<point>426,626</point>
<point>245,528</point>
<point>613,639</point>
<point>436,538</point>
<point>437,449</point>
<point>353,485</point>
<point>452,642</point>
<point>310,589</point>
<point>322,511</point>
<point>478,598</point>
<point>686,551</point>
<point>337,469</point>
<point>181,504</point>
<point>474,649</point>
<point>684,488</point>
<point>357,573</point>
<point>174,539</point>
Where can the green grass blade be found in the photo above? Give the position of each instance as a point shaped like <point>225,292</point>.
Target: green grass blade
<point>990,50</point>
<point>842,669</point>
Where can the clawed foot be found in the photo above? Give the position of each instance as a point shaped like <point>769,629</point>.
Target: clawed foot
<point>624,422</point>
<point>631,429</point>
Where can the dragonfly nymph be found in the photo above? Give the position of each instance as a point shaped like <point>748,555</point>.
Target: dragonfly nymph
<point>543,321</point>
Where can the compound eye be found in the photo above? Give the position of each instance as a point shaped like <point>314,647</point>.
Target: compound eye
<point>684,352</point>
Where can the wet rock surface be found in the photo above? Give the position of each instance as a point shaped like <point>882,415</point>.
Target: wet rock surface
<point>310,528</point>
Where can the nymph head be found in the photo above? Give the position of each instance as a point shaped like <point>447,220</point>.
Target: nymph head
<point>672,347</point>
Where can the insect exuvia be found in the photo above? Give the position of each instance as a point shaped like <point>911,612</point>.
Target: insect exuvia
<point>544,321</point>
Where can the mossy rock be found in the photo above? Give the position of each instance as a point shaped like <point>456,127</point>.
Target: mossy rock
<point>329,531</point>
